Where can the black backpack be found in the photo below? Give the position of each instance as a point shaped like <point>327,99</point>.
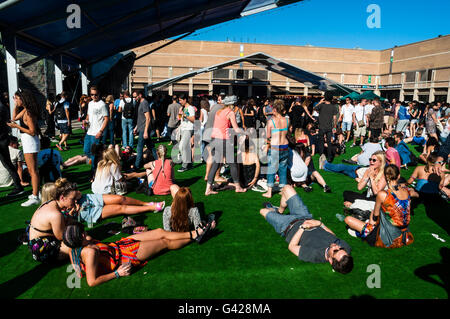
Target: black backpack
<point>128,110</point>
<point>60,112</point>
<point>47,170</point>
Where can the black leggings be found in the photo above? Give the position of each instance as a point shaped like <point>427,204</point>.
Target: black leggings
<point>5,159</point>
<point>219,151</point>
<point>350,196</point>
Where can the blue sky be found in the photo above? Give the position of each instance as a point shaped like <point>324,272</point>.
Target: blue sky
<point>339,24</point>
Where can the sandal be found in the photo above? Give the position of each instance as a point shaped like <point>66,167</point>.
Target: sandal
<point>205,229</point>
<point>128,222</point>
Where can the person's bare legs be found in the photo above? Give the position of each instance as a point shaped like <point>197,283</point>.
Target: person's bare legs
<point>31,160</point>
<point>64,140</point>
<point>316,176</point>
<point>109,211</point>
<point>287,192</point>
<point>354,223</point>
<point>209,191</point>
<point>78,159</point>
<point>122,200</point>
<point>268,194</point>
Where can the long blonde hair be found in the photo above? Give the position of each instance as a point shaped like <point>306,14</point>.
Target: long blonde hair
<point>381,156</point>
<point>110,158</point>
<point>161,151</point>
<point>48,192</point>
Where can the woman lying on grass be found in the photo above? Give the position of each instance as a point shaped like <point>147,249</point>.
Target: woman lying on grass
<point>105,261</point>
<point>93,207</point>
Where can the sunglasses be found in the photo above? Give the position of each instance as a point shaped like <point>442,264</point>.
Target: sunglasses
<point>94,94</point>
<point>372,160</point>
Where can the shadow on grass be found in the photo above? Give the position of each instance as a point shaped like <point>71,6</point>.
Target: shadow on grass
<point>438,269</point>
<point>188,182</point>
<point>17,286</point>
<point>10,241</point>
<point>13,199</point>
<point>436,209</point>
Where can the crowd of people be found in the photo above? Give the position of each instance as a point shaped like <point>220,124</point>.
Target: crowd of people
<point>264,145</point>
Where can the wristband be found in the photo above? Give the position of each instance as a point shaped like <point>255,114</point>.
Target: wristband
<point>116,274</point>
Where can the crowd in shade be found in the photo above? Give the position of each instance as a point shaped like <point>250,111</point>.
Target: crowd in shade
<point>133,143</point>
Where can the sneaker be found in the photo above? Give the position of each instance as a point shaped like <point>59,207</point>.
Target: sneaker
<point>182,170</point>
<point>443,195</point>
<point>258,188</point>
<point>322,160</point>
<point>32,200</point>
<point>327,189</point>
<point>353,145</point>
<point>351,232</point>
<point>16,192</point>
<point>307,189</point>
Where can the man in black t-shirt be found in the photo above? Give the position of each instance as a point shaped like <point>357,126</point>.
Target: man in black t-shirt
<point>308,239</point>
<point>327,124</point>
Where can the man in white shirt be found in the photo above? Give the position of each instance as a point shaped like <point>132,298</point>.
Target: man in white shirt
<point>97,117</point>
<point>187,113</point>
<point>369,108</point>
<point>360,120</point>
<point>346,117</point>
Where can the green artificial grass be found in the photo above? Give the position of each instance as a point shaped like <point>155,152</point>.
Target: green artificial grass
<point>244,259</point>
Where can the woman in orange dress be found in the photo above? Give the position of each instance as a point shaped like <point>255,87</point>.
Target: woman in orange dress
<point>389,221</point>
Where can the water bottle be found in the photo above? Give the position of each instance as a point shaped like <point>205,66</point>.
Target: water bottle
<point>340,217</point>
<point>90,223</point>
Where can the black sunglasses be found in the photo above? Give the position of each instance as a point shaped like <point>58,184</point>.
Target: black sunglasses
<point>94,94</point>
<point>372,160</point>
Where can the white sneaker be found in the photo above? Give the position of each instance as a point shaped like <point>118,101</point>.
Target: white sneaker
<point>32,200</point>
<point>351,232</point>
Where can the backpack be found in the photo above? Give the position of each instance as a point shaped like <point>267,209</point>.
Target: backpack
<point>128,110</point>
<point>60,112</point>
<point>47,170</point>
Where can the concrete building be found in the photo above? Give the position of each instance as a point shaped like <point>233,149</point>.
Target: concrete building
<point>417,71</point>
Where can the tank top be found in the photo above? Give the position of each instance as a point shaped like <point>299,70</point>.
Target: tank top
<point>163,179</point>
<point>221,125</point>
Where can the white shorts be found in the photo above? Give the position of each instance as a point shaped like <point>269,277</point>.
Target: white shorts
<point>30,144</point>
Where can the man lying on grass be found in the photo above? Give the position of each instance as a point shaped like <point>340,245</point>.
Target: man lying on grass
<point>308,239</point>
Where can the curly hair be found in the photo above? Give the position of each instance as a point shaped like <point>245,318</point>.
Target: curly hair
<point>29,102</point>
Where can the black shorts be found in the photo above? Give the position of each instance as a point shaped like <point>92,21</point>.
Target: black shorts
<point>64,128</point>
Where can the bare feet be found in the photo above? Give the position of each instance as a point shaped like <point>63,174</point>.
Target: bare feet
<point>268,195</point>
<point>220,180</point>
<point>240,190</point>
<point>210,192</point>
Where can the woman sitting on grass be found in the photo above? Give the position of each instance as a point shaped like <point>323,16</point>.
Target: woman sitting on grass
<point>182,215</point>
<point>312,174</point>
<point>105,261</point>
<point>388,223</point>
<point>159,173</point>
<point>47,224</point>
<point>93,207</point>
<point>249,167</point>
<point>373,178</point>
<point>108,172</point>
<point>427,181</point>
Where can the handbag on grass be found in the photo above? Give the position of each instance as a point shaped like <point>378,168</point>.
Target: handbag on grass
<point>147,189</point>
<point>119,187</point>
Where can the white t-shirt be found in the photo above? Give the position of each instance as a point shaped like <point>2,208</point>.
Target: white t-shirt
<point>299,170</point>
<point>187,125</point>
<point>96,112</point>
<point>104,179</point>
<point>360,113</point>
<point>16,156</point>
<point>368,150</point>
<point>369,108</point>
<point>347,110</point>
<point>205,117</point>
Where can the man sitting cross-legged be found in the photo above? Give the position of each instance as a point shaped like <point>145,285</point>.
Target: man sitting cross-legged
<point>308,239</point>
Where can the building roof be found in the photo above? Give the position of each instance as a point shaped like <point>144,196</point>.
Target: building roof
<point>108,27</point>
<point>309,79</point>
